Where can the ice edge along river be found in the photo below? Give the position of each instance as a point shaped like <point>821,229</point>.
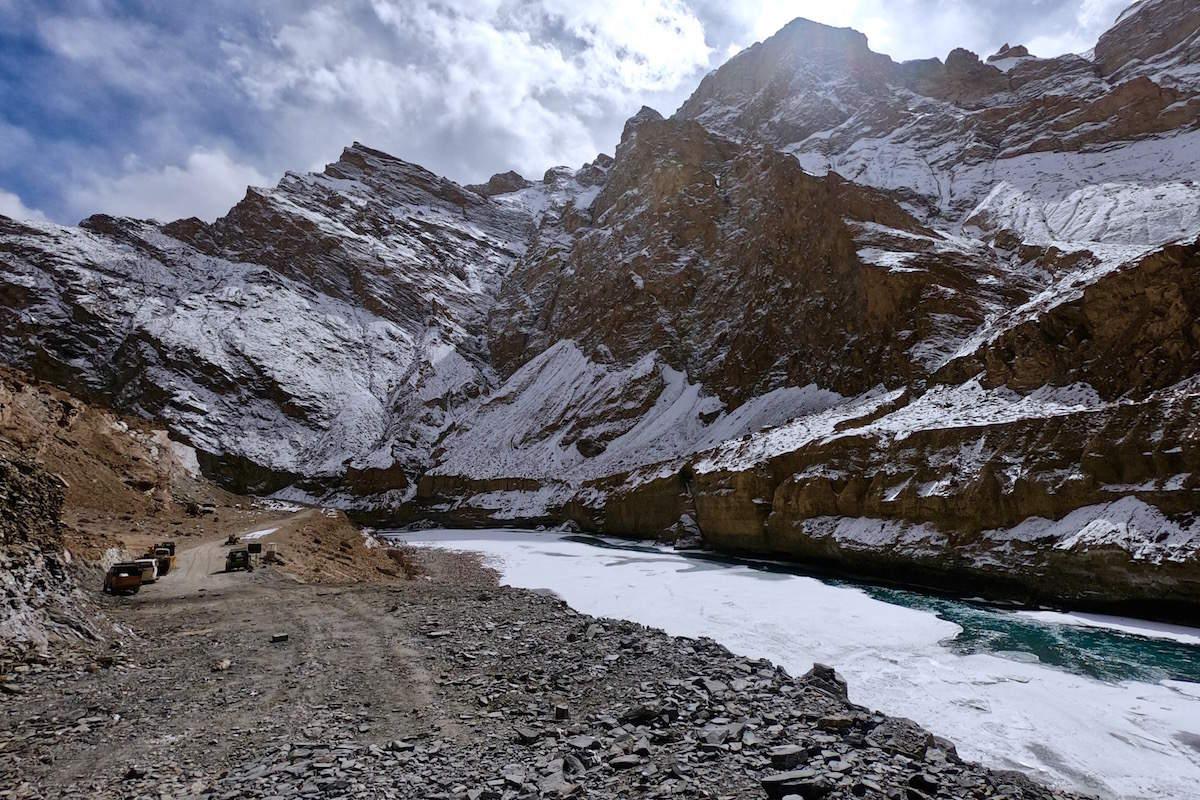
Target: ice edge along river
<point>1120,740</point>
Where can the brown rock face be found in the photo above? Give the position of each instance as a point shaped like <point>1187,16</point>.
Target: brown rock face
<point>1007,51</point>
<point>1131,333</point>
<point>500,183</point>
<point>965,79</point>
<point>1148,34</point>
<point>739,269</point>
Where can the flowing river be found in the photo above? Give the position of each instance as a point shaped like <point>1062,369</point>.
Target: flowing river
<point>1106,705</point>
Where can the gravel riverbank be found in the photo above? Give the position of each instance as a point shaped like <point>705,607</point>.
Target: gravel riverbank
<point>446,686</point>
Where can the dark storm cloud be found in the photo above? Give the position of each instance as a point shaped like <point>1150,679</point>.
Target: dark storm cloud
<point>166,109</point>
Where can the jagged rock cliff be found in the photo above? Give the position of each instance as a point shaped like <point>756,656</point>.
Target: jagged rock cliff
<point>40,600</point>
<point>933,321</point>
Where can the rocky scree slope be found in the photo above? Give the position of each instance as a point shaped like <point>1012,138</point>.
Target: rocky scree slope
<point>77,483</point>
<point>929,321</point>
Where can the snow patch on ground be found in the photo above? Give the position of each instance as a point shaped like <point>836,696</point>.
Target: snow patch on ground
<point>185,456</point>
<point>549,198</point>
<point>1007,64</point>
<point>891,260</point>
<point>1108,213</point>
<point>1130,192</point>
<point>963,406</point>
<point>272,504</point>
<point>865,533</point>
<point>1129,524</point>
<point>518,504</point>
<point>970,404</point>
<point>759,447</point>
<point>644,413</point>
<point>246,537</point>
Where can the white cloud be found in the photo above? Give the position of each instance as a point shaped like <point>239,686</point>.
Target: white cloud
<point>767,16</point>
<point>463,87</point>
<point>11,206</point>
<point>121,52</point>
<point>206,186</point>
<point>1092,18</point>
<point>485,84</point>
<point>641,45</point>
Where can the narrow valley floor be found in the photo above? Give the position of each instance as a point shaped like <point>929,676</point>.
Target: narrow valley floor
<point>445,685</point>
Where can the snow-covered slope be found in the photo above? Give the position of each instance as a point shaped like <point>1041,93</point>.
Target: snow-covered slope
<point>328,322</point>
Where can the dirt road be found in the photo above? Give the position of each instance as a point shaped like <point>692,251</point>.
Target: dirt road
<point>200,567</point>
<point>442,687</point>
<point>346,672</point>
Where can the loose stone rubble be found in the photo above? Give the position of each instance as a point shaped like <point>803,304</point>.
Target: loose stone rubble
<point>523,698</point>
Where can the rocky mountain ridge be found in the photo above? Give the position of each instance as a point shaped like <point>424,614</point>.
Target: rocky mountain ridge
<point>932,321</point>
<point>288,338</point>
<point>1065,148</point>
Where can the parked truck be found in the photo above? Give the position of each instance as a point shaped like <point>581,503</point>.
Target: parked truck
<point>165,557</point>
<point>149,568</point>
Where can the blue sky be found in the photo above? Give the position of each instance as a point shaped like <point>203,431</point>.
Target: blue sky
<point>163,109</point>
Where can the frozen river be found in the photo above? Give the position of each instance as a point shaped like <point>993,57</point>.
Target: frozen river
<point>1110,706</point>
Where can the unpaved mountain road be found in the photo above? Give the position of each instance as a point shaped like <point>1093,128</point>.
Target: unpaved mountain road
<point>200,567</point>
<point>165,706</point>
<point>441,687</point>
